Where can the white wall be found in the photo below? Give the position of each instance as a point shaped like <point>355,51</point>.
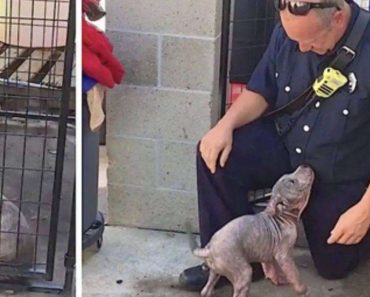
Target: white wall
<point>363,3</point>
<point>101,23</point>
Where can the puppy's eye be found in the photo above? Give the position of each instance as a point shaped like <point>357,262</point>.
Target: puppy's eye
<point>292,181</point>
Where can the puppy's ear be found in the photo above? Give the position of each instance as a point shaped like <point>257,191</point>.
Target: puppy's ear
<point>272,206</point>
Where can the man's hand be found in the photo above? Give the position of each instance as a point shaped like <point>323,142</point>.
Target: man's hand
<point>248,107</point>
<point>352,226</point>
<point>217,141</point>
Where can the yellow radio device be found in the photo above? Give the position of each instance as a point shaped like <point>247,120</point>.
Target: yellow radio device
<point>329,82</point>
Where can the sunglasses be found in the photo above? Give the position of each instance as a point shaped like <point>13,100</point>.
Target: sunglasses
<point>301,7</point>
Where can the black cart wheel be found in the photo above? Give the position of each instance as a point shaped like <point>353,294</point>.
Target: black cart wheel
<point>99,243</point>
<point>94,235</point>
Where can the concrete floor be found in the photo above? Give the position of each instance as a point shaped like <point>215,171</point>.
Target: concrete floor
<point>148,264</point>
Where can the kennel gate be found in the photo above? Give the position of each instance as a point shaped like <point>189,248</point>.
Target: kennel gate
<point>246,29</point>
<point>37,140</point>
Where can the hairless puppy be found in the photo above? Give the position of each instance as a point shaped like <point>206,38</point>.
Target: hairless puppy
<point>14,249</point>
<point>16,246</point>
<point>267,238</point>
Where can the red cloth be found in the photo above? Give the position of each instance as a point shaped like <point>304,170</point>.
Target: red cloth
<point>98,60</point>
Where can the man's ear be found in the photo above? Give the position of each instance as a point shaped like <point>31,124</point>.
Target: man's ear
<point>272,205</point>
<point>338,18</point>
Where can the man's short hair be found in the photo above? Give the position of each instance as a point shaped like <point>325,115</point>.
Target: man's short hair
<point>326,14</point>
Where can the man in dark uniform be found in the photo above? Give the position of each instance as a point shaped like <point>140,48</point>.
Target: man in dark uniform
<point>245,152</point>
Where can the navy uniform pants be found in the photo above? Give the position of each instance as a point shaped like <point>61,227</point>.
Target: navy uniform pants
<point>258,159</point>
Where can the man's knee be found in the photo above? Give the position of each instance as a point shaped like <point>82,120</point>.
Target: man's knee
<point>335,266</point>
<point>331,274</point>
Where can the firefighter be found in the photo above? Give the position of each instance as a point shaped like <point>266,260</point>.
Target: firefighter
<point>246,151</point>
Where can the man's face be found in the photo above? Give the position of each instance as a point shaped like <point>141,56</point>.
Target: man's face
<point>309,31</point>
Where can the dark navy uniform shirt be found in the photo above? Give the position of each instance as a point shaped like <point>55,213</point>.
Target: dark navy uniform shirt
<point>332,135</point>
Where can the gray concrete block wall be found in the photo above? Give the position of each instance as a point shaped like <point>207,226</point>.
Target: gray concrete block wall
<point>168,17</point>
<point>138,52</point>
<point>171,51</point>
<point>188,63</point>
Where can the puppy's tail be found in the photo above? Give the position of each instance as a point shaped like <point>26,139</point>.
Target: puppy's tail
<point>201,253</point>
<point>194,245</point>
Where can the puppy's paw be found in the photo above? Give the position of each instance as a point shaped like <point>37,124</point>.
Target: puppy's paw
<point>274,274</point>
<point>306,294</point>
<point>301,289</point>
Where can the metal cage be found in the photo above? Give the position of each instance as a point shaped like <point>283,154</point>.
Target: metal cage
<point>37,141</point>
<point>246,29</point>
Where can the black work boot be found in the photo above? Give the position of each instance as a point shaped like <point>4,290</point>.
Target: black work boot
<point>195,278</point>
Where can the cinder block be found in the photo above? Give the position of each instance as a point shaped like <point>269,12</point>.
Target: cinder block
<point>177,166</point>
<point>131,161</point>
<point>139,54</point>
<point>197,18</point>
<point>150,208</point>
<point>159,114</point>
<point>188,63</point>
<point>219,14</point>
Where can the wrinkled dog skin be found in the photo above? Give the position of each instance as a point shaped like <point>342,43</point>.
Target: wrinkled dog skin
<point>267,238</point>
<point>10,216</point>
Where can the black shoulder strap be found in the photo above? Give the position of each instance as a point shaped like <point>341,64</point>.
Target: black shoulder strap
<point>344,57</point>
<point>347,53</point>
